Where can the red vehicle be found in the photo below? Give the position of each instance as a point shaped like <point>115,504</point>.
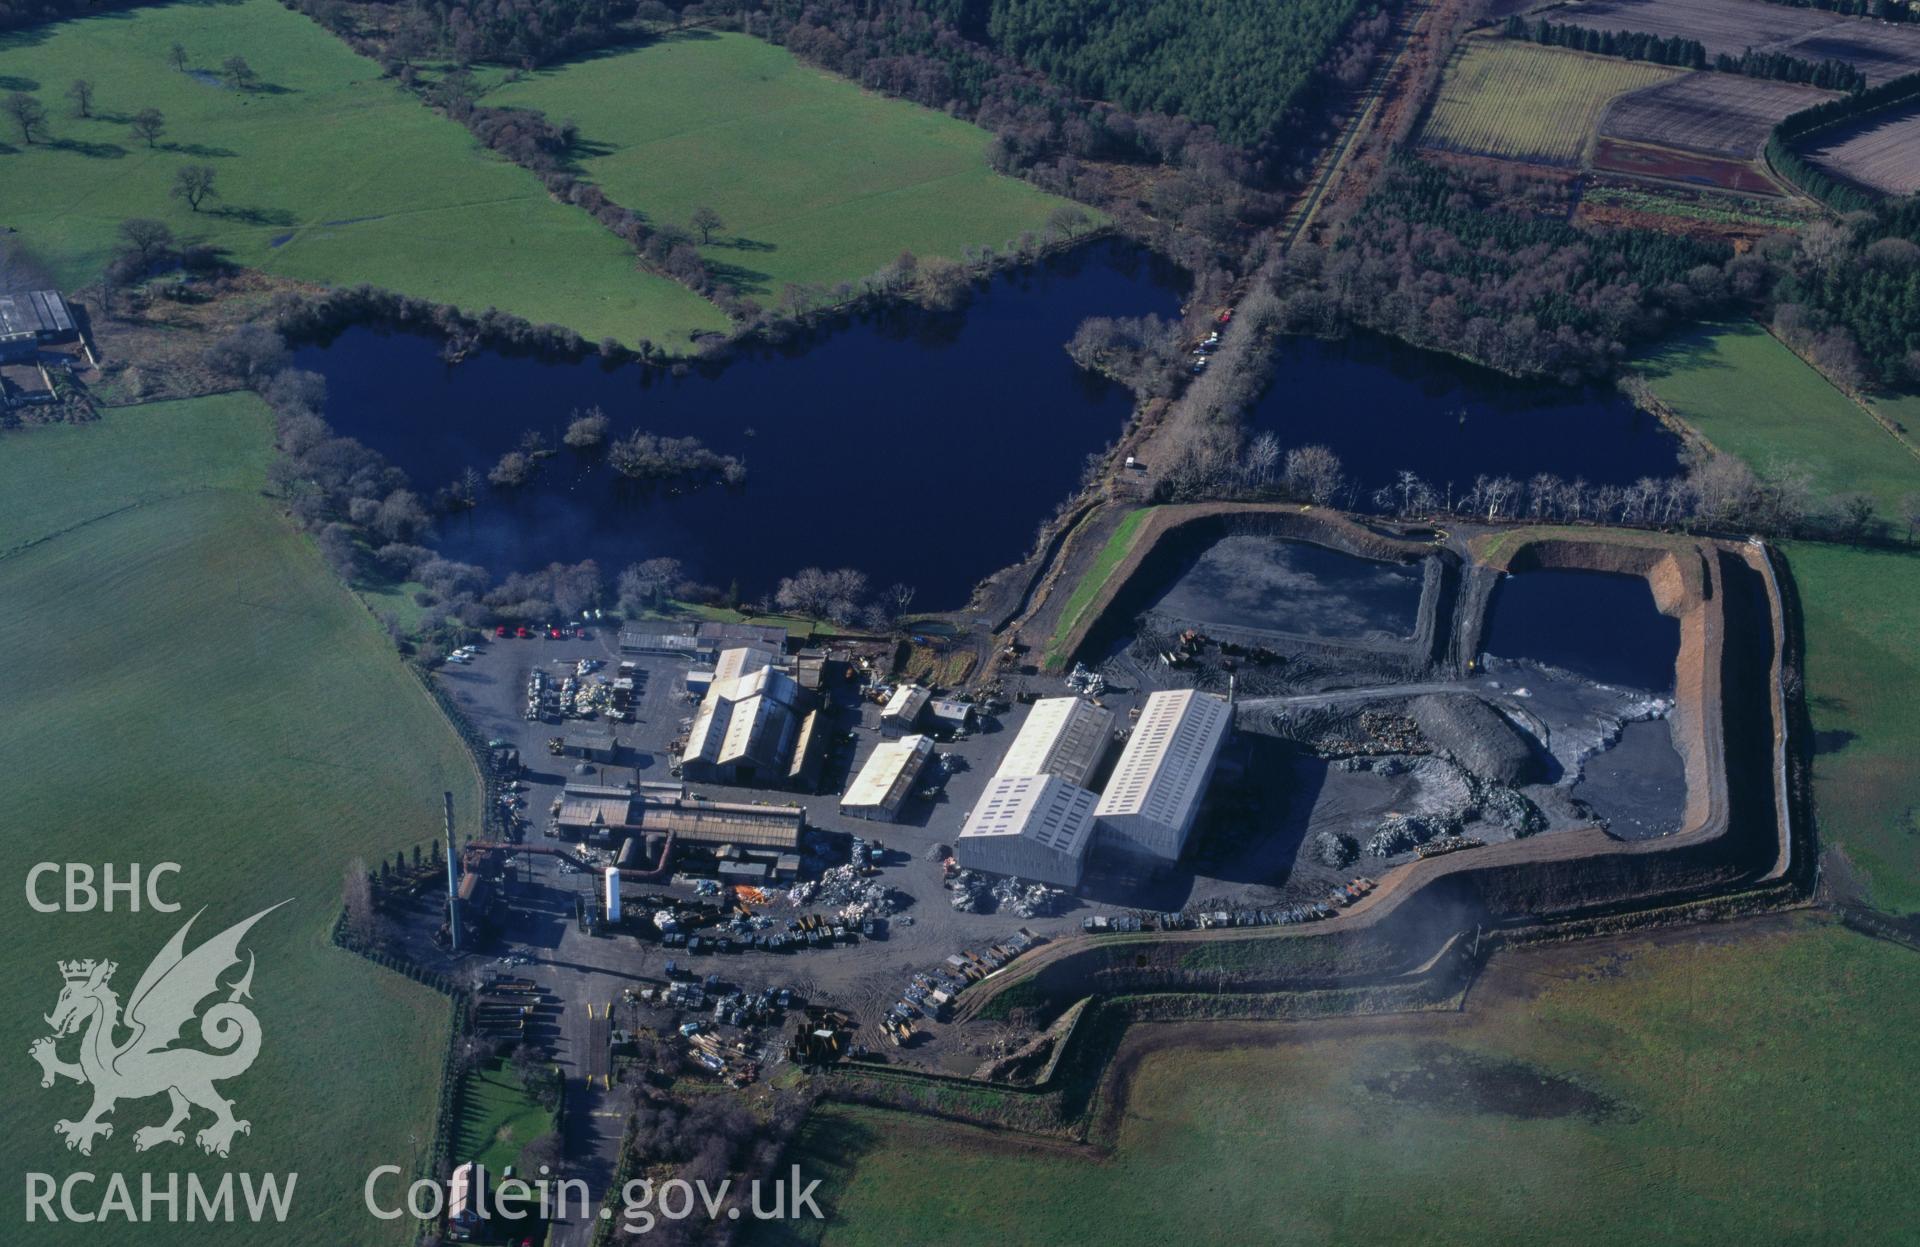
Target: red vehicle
<point>580,634</point>
<point>521,632</point>
<point>553,633</point>
<point>501,630</point>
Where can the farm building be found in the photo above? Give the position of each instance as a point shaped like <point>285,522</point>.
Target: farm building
<point>1155,792</point>
<point>594,744</point>
<point>30,318</point>
<point>746,728</point>
<point>1063,736</point>
<point>882,785</point>
<point>1032,826</point>
<point>949,715</point>
<point>904,708</point>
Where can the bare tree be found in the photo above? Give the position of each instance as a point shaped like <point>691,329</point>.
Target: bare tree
<point>587,431</point>
<point>1067,220</point>
<point>514,469</point>
<point>1314,473</point>
<point>194,183</point>
<point>177,57</point>
<point>149,124</point>
<point>1910,513</point>
<point>29,115</point>
<point>238,73</point>
<point>146,240</point>
<point>705,221</point>
<point>81,93</point>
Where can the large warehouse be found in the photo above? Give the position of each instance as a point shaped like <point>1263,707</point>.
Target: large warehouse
<point>608,813</point>
<point>1150,802</point>
<point>745,729</point>
<point>1063,736</point>
<point>1031,826</point>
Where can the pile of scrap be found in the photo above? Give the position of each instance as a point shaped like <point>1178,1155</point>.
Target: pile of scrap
<point>821,1037</point>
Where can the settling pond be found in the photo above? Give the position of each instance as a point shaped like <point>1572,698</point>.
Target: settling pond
<point>919,449</point>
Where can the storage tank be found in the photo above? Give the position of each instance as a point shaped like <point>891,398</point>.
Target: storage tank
<point>613,894</point>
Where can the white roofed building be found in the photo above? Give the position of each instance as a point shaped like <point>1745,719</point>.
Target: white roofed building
<point>1063,736</point>
<point>883,784</point>
<point>745,728</point>
<point>1150,802</point>
<point>1031,826</point>
<point>903,709</point>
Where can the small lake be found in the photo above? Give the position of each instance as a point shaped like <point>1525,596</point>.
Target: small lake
<point>1601,625</point>
<point>918,448</point>
<point>1383,406</point>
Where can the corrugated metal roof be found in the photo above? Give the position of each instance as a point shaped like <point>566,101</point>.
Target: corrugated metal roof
<point>1164,766</point>
<point>34,312</point>
<point>890,772</point>
<point>1062,736</point>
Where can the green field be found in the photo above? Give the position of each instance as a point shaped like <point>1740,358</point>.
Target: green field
<point>1503,97</point>
<point>1752,397</point>
<point>1091,581</point>
<point>1738,1085</point>
<point>817,181</point>
<point>186,682</point>
<point>1863,688</point>
<point>498,1119</point>
<point>325,173</point>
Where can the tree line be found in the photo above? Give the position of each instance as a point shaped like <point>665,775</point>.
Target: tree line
<point>1849,296</point>
<point>1678,50</point>
<point>1879,10</point>
<point>1834,191</point>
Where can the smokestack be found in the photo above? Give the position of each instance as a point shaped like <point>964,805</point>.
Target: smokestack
<point>613,896</point>
<point>453,876</point>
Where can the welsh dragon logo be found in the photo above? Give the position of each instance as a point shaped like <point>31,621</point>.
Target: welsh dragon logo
<point>143,1063</point>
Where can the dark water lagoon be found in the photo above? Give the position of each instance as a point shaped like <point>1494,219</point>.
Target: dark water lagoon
<point>1385,407</point>
<point>1601,625</point>
<point>917,448</point>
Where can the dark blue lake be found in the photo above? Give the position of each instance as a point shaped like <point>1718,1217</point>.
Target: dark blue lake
<point>1597,624</point>
<point>1384,407</point>
<point>920,449</point>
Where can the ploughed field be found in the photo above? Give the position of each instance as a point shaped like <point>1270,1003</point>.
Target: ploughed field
<point>324,173</point>
<point>1644,1090</point>
<point>815,180</point>
<point>1881,151</point>
<point>1509,98</point>
<point>1715,113</point>
<point>187,682</point>
<point>1879,50</point>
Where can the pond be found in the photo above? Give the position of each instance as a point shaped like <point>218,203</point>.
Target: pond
<point>920,449</point>
<point>1384,407</point>
<point>1601,625</point>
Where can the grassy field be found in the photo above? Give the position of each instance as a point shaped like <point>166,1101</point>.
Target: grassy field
<point>1091,580</point>
<point>1752,397</point>
<point>498,1119</point>
<point>186,682</point>
<point>1863,687</point>
<point>815,179</point>
<point>325,173</point>
<point>1739,1085</point>
<point>1503,97</point>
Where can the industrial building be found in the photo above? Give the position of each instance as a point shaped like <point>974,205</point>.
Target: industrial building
<point>1063,736</point>
<point>30,318</point>
<point>902,711</point>
<point>704,642</point>
<point>953,717</point>
<point>1031,826</point>
<point>748,724</point>
<point>883,784</point>
<point>597,744</point>
<point>1150,803</point>
<point>609,813</point>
